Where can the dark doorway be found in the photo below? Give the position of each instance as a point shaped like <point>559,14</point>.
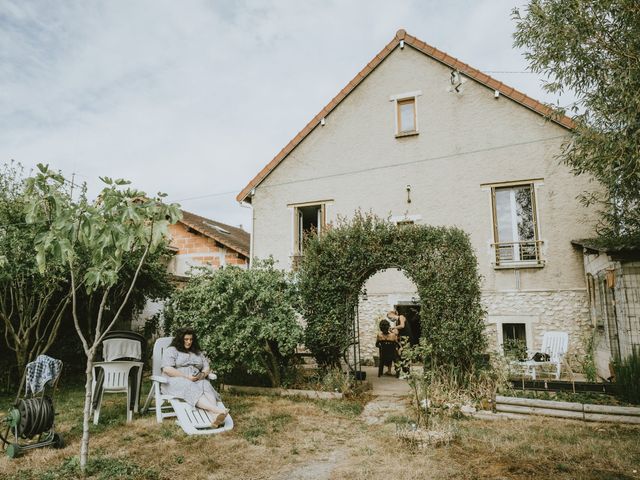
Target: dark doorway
<point>411,311</point>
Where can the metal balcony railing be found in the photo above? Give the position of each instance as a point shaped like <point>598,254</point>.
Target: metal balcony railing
<point>508,253</point>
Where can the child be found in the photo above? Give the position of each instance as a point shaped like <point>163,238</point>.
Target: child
<point>387,343</point>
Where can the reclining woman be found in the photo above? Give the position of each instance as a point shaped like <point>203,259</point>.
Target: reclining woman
<point>187,370</point>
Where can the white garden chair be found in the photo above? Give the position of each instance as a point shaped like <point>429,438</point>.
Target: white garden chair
<point>120,372</point>
<point>116,378</point>
<point>193,420</point>
<point>554,344</point>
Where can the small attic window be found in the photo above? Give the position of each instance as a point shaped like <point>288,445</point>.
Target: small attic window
<point>406,113</point>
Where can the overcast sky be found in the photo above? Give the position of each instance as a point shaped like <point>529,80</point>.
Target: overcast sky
<point>193,98</point>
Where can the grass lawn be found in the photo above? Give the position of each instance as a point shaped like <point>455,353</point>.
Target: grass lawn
<point>288,438</point>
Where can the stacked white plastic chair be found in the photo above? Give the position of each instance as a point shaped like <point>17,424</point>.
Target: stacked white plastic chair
<point>122,353</point>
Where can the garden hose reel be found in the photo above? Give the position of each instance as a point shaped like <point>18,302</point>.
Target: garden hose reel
<point>30,418</point>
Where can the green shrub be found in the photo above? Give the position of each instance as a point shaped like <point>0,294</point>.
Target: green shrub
<point>627,373</point>
<point>245,319</point>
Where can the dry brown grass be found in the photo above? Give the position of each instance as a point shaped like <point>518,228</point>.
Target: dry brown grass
<point>285,438</point>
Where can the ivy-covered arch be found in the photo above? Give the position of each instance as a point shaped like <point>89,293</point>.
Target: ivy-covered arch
<point>439,260</point>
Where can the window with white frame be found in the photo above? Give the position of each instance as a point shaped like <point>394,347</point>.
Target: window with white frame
<point>406,113</point>
<point>307,220</point>
<point>514,334</point>
<point>515,226</point>
<point>514,340</point>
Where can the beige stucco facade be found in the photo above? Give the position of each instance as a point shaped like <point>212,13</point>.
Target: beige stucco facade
<point>466,142</point>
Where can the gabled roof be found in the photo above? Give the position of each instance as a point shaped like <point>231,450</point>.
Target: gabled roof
<point>232,237</point>
<point>428,50</point>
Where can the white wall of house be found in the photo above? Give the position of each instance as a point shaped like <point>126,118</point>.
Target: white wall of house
<point>465,142</point>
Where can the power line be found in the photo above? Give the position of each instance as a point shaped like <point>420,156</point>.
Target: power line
<point>413,162</point>
<point>508,71</point>
<point>382,167</point>
<point>371,169</point>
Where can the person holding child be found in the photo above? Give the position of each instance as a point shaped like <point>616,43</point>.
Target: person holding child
<point>403,330</point>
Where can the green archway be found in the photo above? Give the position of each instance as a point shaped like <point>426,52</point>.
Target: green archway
<point>439,260</point>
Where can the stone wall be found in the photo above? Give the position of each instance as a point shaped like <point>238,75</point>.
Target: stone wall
<point>370,312</point>
<point>564,310</point>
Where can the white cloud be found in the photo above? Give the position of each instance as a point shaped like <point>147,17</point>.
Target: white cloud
<point>193,98</point>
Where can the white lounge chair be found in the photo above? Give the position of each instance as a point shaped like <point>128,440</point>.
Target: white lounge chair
<point>554,344</point>
<point>193,420</point>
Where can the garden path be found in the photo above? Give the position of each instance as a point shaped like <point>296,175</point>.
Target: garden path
<point>390,397</point>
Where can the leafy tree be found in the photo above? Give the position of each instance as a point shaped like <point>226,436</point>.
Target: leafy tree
<point>153,283</point>
<point>92,240</point>
<point>32,305</point>
<point>244,318</point>
<point>592,47</point>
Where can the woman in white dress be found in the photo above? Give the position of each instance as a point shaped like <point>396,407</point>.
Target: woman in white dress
<point>187,369</point>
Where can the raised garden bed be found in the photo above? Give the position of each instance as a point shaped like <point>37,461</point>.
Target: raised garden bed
<point>572,410</point>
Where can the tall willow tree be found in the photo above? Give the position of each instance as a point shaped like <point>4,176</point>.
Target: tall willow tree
<point>592,47</point>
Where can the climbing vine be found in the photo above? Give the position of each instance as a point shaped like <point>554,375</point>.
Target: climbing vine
<point>439,260</point>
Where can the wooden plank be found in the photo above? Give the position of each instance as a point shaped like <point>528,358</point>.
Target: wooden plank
<point>612,410</point>
<point>531,402</point>
<point>548,412</point>
<point>599,417</point>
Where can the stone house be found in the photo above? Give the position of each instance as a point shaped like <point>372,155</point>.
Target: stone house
<point>420,137</point>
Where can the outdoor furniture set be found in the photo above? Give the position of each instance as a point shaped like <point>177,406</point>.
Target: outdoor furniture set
<point>552,352</point>
<point>121,372</point>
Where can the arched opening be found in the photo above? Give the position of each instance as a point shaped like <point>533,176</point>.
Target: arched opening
<point>387,289</point>
<point>438,260</point>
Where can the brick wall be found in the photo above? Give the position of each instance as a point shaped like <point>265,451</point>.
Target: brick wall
<point>195,249</point>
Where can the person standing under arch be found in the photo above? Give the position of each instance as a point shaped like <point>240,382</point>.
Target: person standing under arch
<point>403,330</point>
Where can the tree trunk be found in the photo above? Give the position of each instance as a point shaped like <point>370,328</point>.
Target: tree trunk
<point>84,445</point>
<point>271,363</point>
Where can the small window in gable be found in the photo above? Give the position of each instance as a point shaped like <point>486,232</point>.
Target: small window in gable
<point>407,115</point>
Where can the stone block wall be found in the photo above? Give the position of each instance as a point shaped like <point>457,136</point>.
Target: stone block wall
<point>564,310</point>
<point>370,312</point>
<point>561,310</point>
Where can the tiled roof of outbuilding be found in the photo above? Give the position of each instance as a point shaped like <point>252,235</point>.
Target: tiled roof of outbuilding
<point>229,236</point>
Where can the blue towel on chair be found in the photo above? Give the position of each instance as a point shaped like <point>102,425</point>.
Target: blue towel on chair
<point>41,371</point>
